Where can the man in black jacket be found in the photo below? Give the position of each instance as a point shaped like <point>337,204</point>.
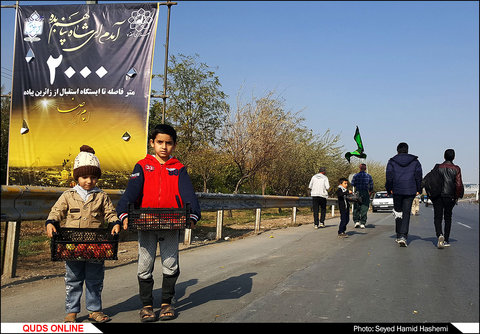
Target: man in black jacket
<point>404,181</point>
<point>451,192</point>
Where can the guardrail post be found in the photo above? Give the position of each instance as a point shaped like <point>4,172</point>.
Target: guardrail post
<point>294,215</point>
<point>9,265</point>
<point>219,224</point>
<point>258,214</point>
<point>187,238</point>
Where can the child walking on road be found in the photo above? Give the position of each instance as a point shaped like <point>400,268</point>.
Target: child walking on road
<point>84,206</point>
<point>159,181</point>
<point>343,206</point>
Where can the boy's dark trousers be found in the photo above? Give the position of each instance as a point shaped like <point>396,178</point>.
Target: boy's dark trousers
<point>319,203</point>
<point>168,289</point>
<point>168,241</point>
<point>442,209</point>
<point>344,218</point>
<point>403,204</point>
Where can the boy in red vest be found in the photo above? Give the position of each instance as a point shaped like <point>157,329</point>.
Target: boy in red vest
<point>159,181</point>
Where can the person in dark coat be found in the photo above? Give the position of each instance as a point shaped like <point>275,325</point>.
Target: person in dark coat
<point>404,181</point>
<point>443,205</point>
<point>343,206</point>
<point>363,183</point>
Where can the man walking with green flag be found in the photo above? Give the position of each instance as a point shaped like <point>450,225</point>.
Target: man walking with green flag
<point>363,183</point>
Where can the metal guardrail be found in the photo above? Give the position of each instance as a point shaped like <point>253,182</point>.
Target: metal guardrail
<point>24,203</point>
<point>34,203</point>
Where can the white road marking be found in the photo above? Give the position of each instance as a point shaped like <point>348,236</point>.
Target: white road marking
<point>463,225</point>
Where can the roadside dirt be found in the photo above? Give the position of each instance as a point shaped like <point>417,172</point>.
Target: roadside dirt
<point>40,266</point>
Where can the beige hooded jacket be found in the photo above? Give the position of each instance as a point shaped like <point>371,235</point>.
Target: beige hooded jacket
<point>92,213</point>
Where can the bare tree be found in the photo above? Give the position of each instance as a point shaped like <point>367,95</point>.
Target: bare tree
<point>290,174</point>
<point>253,136</point>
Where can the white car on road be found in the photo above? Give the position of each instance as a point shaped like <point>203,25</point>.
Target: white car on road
<point>382,201</point>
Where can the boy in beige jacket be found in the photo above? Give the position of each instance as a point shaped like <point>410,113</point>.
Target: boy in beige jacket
<point>84,206</point>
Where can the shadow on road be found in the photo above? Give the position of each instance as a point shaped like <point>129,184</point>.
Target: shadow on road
<point>411,238</point>
<point>231,288</point>
<point>133,303</point>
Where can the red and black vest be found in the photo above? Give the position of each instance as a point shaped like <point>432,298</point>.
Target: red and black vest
<point>160,185</point>
<point>155,185</point>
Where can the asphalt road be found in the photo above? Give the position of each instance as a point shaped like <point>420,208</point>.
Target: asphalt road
<point>299,274</point>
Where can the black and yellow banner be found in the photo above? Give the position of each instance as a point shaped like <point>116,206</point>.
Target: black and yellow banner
<point>82,75</point>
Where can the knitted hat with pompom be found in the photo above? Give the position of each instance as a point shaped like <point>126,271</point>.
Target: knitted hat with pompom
<point>86,163</point>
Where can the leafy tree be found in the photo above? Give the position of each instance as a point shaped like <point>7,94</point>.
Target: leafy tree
<point>196,105</point>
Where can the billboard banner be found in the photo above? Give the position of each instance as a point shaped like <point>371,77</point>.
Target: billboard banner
<point>81,76</point>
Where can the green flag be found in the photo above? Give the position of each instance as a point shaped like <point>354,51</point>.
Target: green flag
<point>359,151</point>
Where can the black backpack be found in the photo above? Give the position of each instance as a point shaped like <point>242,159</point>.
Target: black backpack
<point>433,182</point>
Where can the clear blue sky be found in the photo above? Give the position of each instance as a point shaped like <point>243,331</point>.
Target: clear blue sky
<point>401,71</point>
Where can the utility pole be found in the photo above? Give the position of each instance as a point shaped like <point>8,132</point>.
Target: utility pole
<point>164,95</point>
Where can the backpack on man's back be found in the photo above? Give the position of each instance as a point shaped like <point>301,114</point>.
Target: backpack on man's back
<point>433,182</point>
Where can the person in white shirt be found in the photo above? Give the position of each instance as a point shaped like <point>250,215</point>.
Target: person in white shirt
<point>319,191</point>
